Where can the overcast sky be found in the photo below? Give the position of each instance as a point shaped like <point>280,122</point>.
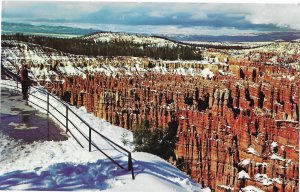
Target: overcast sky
<point>179,18</point>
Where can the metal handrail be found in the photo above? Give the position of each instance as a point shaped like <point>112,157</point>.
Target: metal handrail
<point>89,139</point>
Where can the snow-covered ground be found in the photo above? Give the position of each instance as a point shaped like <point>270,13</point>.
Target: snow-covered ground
<point>64,165</point>
<point>132,38</point>
<point>41,60</point>
<point>229,44</point>
<point>42,57</point>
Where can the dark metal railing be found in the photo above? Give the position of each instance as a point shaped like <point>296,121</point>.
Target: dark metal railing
<point>66,125</point>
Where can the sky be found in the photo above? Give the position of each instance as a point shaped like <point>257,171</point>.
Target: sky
<point>159,18</point>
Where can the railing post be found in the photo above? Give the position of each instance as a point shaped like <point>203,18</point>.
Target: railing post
<point>17,79</point>
<point>90,139</point>
<point>129,162</point>
<point>130,167</point>
<point>47,102</point>
<point>67,119</point>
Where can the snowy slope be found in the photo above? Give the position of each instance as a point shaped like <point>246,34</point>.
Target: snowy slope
<point>65,165</point>
<point>130,38</point>
<point>229,44</point>
<point>41,58</point>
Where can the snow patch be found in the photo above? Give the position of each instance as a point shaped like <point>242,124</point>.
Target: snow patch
<point>252,151</point>
<point>243,175</point>
<point>207,73</point>
<point>274,144</point>
<point>263,178</point>
<point>251,188</point>
<point>263,164</point>
<point>245,162</point>
<point>277,157</point>
<point>226,187</point>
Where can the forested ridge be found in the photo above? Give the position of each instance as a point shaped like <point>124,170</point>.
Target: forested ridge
<point>81,46</point>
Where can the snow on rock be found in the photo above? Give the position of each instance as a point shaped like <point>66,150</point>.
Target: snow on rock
<point>226,187</point>
<point>245,162</point>
<point>277,180</point>
<point>264,179</point>
<point>180,71</point>
<point>207,73</point>
<point>83,109</point>
<point>221,72</point>
<point>290,78</point>
<point>158,69</point>
<point>263,164</point>
<point>243,175</point>
<point>251,188</point>
<point>277,157</point>
<point>274,144</point>
<point>43,67</point>
<point>252,151</point>
<point>64,165</point>
<point>207,189</point>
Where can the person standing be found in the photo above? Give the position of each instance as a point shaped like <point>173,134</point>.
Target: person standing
<point>25,81</point>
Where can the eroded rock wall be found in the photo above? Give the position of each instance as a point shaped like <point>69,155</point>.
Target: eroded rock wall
<point>234,130</point>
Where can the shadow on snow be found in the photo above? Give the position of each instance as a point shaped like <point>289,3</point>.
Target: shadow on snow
<point>70,176</point>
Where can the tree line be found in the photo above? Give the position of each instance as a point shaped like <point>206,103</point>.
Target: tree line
<point>81,46</point>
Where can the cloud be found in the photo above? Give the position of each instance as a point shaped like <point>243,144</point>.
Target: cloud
<point>230,17</point>
<point>281,15</point>
<point>198,15</point>
<point>48,10</point>
<point>173,29</point>
<point>164,29</point>
<point>286,16</point>
<point>156,13</point>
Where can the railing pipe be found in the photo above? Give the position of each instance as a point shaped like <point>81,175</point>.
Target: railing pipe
<point>38,98</point>
<point>83,135</point>
<point>90,139</point>
<point>47,103</point>
<point>110,141</point>
<point>83,121</point>
<point>67,119</point>
<point>108,156</point>
<point>55,108</point>
<point>37,105</point>
<point>76,139</point>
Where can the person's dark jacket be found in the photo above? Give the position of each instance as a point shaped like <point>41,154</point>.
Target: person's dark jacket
<point>25,74</point>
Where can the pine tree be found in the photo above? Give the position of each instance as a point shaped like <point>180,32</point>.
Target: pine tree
<point>143,138</point>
